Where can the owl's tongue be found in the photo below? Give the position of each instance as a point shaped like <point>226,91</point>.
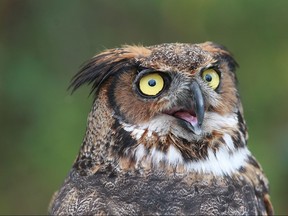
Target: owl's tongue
<point>192,119</point>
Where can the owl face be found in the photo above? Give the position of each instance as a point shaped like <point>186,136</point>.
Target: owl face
<point>177,99</point>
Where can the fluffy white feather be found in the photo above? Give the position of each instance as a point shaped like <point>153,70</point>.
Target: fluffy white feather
<point>223,162</point>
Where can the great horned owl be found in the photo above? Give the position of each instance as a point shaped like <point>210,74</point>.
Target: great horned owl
<point>166,135</point>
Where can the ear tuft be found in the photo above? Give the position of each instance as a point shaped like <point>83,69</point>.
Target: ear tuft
<point>222,52</point>
<point>100,67</point>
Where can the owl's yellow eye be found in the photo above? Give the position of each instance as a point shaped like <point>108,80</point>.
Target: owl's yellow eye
<point>151,84</point>
<point>211,77</point>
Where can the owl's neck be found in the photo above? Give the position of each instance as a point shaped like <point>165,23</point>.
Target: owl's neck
<point>221,151</point>
<point>110,144</point>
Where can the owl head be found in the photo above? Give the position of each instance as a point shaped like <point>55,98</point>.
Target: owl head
<point>171,103</point>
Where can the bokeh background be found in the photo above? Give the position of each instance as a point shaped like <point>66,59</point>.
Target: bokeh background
<point>44,43</point>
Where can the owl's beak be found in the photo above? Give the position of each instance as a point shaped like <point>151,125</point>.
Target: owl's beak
<point>199,107</point>
<point>190,112</point>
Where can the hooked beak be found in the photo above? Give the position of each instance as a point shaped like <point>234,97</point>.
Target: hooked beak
<point>198,106</point>
<point>191,113</point>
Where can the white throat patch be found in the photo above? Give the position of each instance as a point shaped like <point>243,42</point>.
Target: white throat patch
<point>224,161</point>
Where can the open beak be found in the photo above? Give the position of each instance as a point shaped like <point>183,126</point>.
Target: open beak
<point>191,112</point>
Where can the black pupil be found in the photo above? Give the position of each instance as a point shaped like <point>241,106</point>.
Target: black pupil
<point>152,82</point>
<point>208,77</point>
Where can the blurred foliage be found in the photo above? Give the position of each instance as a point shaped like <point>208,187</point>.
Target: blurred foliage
<point>43,43</point>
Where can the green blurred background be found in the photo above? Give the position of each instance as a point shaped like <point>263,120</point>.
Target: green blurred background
<point>43,44</point>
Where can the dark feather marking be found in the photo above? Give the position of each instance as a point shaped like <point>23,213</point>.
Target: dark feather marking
<point>163,147</point>
<point>111,98</point>
<point>83,164</point>
<point>193,151</point>
<point>241,124</point>
<point>221,140</point>
<point>211,109</point>
<point>242,169</point>
<point>237,141</point>
<point>253,162</point>
<point>215,147</point>
<point>123,139</point>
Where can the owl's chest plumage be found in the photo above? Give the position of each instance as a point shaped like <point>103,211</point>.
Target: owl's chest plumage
<point>158,193</point>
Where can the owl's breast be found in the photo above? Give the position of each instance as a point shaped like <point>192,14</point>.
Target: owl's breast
<point>157,193</point>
